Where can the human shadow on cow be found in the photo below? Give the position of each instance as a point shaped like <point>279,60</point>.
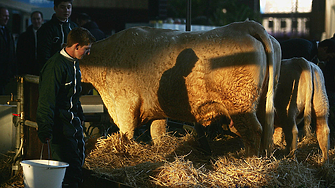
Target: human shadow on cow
<point>172,91</point>
<point>173,95</point>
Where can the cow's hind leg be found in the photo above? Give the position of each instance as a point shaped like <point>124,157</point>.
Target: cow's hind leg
<point>250,130</point>
<point>322,134</point>
<point>291,135</point>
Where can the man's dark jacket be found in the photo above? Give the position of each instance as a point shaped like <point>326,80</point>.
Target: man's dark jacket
<point>7,58</point>
<point>58,104</point>
<point>299,48</point>
<point>26,57</point>
<point>51,37</point>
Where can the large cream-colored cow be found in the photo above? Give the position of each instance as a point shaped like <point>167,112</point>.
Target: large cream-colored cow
<point>147,74</point>
<point>301,94</point>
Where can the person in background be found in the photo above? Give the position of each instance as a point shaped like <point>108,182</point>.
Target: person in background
<point>322,54</point>
<point>84,20</point>
<point>27,46</point>
<point>53,34</point>
<point>316,52</point>
<point>7,51</point>
<point>329,75</point>
<point>59,113</point>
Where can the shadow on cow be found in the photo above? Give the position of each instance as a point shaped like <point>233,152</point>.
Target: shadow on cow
<point>172,89</point>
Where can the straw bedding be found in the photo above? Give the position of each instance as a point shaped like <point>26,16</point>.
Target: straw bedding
<point>178,162</point>
<point>7,179</point>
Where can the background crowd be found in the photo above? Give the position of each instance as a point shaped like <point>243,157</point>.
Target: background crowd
<point>38,43</point>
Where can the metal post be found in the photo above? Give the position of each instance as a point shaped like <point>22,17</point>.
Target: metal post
<point>21,111</point>
<point>188,16</point>
<point>18,110</point>
<point>19,126</point>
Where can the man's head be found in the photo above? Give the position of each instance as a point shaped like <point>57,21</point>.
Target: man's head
<point>63,9</point>
<point>82,19</point>
<point>4,16</point>
<point>36,19</point>
<point>326,50</point>
<point>79,42</point>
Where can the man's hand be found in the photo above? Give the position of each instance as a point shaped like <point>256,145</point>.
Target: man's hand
<point>44,137</point>
<point>47,140</point>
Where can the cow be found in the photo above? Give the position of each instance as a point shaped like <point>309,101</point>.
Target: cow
<point>146,73</point>
<point>301,95</point>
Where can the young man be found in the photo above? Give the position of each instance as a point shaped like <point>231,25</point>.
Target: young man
<point>27,46</point>
<point>52,35</point>
<point>59,113</point>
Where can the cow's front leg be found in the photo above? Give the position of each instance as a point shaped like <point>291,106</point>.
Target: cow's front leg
<point>127,118</point>
<point>127,126</point>
<point>158,129</point>
<point>202,139</point>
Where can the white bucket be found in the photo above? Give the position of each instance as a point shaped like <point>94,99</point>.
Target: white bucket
<point>43,173</point>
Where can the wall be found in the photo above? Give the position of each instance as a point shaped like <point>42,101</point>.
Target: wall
<point>8,130</point>
<point>127,4</point>
<point>330,19</point>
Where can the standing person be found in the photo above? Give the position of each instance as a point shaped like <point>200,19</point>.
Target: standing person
<point>318,53</point>
<point>84,20</point>
<point>27,46</point>
<point>53,34</point>
<point>59,113</point>
<point>7,51</point>
<point>322,54</point>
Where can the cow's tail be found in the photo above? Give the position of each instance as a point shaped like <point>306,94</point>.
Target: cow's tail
<point>273,55</point>
<point>273,59</point>
<point>309,75</point>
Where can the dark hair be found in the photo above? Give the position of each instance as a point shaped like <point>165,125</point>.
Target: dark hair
<point>330,43</point>
<point>31,15</point>
<point>57,2</point>
<point>79,35</point>
<point>83,16</point>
